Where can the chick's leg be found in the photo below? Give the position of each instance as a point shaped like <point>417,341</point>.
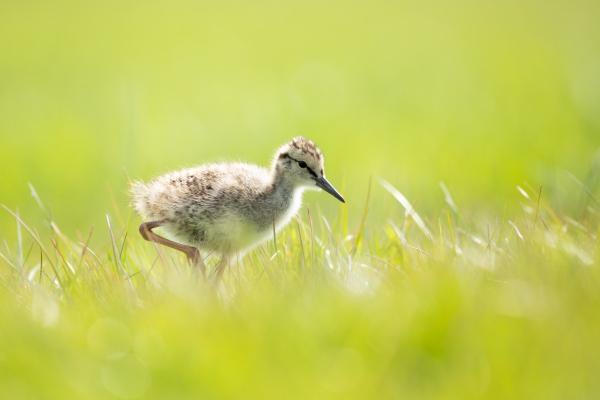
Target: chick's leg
<point>191,252</point>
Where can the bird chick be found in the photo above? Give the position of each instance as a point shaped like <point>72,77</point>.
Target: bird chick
<point>228,208</point>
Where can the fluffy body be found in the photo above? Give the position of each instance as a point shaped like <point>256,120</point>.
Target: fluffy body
<point>220,207</point>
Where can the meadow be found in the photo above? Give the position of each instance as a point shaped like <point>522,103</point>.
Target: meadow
<point>464,135</point>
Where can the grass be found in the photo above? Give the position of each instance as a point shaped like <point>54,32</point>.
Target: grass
<point>439,307</point>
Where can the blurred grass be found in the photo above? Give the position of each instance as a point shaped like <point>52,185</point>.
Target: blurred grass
<point>503,310</point>
<point>482,96</point>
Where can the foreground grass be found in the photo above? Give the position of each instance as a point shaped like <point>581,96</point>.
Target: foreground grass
<point>434,308</point>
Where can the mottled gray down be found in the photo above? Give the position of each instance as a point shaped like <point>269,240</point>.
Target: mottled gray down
<point>229,207</point>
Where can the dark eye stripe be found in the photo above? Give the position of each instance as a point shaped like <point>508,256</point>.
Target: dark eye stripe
<point>309,169</point>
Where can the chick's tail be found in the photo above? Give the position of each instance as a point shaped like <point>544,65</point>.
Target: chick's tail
<point>139,193</point>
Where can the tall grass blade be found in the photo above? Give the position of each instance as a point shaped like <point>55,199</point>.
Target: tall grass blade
<point>363,220</point>
<point>448,198</point>
<point>410,211</point>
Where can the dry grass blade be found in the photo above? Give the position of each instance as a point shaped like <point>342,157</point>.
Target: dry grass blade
<point>67,266</point>
<point>363,220</point>
<point>537,208</point>
<point>19,242</point>
<point>448,198</point>
<point>523,192</point>
<point>38,200</point>
<point>31,233</point>
<point>301,244</point>
<point>407,207</point>
<point>8,262</point>
<point>584,187</point>
<point>85,247</point>
<point>117,260</point>
<point>517,230</point>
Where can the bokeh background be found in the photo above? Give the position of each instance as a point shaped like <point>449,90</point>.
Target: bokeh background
<point>500,301</point>
<point>479,95</point>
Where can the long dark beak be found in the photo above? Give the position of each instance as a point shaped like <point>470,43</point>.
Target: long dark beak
<point>326,186</point>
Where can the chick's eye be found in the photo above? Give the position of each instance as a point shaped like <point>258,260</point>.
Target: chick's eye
<point>302,164</point>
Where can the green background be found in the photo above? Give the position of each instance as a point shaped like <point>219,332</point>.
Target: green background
<point>480,95</point>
